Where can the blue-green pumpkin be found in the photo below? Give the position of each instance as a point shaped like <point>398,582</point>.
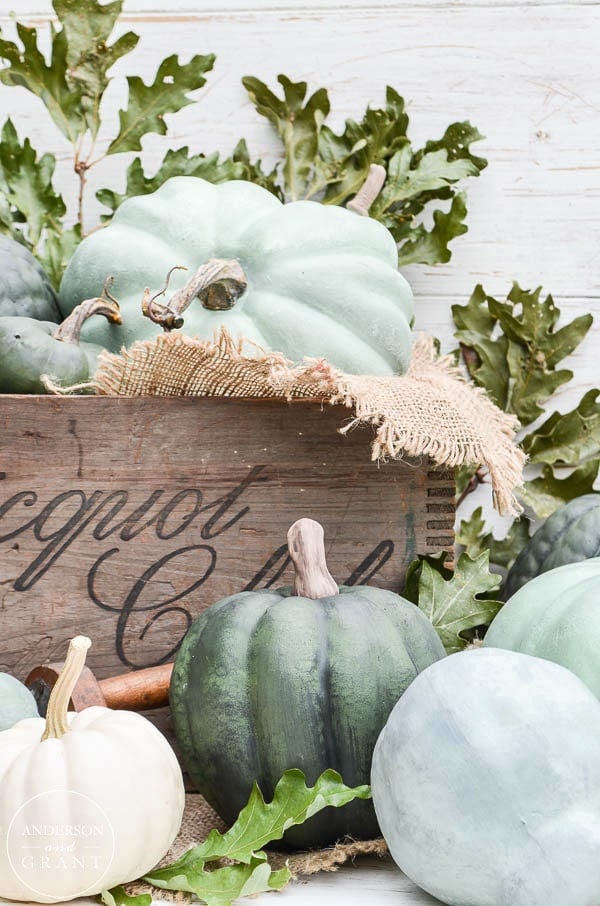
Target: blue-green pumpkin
<point>270,680</point>
<point>311,279</point>
<point>25,289</point>
<point>570,534</point>
<point>16,702</point>
<point>31,349</point>
<point>556,616</point>
<point>486,782</point>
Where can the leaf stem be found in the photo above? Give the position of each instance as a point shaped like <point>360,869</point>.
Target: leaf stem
<point>478,478</point>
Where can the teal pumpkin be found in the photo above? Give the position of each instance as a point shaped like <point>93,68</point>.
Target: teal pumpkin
<point>556,616</point>
<point>486,782</point>
<point>31,349</point>
<point>269,680</point>
<point>320,280</point>
<point>25,290</point>
<point>16,702</point>
<point>570,534</point>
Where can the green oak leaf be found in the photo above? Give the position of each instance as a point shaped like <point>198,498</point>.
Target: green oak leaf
<point>473,537</point>
<point>27,189</point>
<point>57,252</point>
<point>457,141</point>
<point>221,886</point>
<point>568,439</point>
<point>26,66</point>
<point>298,122</point>
<point>87,26</point>
<point>148,104</point>
<point>547,492</point>
<point>455,605</point>
<point>118,896</point>
<point>260,823</point>
<point>405,179</point>
<point>415,568</point>
<point>511,348</point>
<point>348,156</point>
<point>253,171</point>
<point>424,246</point>
<point>175,163</point>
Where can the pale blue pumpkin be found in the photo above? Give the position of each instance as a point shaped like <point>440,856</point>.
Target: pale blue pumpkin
<point>556,616</point>
<point>322,281</point>
<point>486,782</point>
<point>16,702</point>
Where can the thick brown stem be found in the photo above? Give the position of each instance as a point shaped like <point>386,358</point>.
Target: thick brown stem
<point>70,329</point>
<point>218,284</point>
<point>369,190</point>
<point>57,722</point>
<point>307,550</point>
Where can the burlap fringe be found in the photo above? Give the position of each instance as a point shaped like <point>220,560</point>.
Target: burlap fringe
<point>429,411</point>
<point>199,819</point>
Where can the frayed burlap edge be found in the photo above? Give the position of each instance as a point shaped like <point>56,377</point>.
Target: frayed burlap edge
<point>198,820</point>
<point>431,411</point>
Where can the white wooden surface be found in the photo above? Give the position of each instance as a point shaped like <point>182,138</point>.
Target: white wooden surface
<point>525,72</point>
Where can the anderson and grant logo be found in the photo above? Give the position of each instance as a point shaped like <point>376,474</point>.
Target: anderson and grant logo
<point>60,859</point>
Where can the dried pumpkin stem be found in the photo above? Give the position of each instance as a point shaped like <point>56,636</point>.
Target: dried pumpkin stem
<point>306,545</point>
<point>70,329</point>
<point>57,723</point>
<point>369,190</point>
<point>218,284</point>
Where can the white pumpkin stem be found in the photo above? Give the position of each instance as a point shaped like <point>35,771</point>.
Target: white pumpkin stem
<point>306,544</point>
<point>57,723</point>
<point>69,330</point>
<point>218,284</point>
<point>369,190</point>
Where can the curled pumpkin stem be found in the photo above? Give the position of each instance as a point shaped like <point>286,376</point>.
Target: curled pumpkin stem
<point>218,285</point>
<point>106,304</point>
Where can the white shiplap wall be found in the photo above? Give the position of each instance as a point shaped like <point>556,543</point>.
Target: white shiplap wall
<point>526,73</point>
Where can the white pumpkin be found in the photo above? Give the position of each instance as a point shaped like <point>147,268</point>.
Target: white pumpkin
<point>87,800</point>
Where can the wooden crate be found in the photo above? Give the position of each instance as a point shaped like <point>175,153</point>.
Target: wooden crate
<point>124,518</point>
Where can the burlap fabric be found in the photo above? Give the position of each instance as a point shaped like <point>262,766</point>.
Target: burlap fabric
<point>199,819</point>
<point>429,411</point>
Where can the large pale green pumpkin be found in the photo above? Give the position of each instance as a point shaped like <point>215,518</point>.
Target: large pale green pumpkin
<point>556,616</point>
<point>486,782</point>
<point>16,702</point>
<point>269,680</point>
<point>322,281</point>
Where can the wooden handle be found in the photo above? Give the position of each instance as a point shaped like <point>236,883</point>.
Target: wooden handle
<point>306,544</point>
<point>140,690</point>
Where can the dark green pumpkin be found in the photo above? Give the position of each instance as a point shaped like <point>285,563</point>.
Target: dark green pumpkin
<point>570,534</point>
<point>269,680</point>
<point>30,349</point>
<point>25,290</point>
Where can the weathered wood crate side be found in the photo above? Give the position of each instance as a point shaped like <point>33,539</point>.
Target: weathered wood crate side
<point>124,518</point>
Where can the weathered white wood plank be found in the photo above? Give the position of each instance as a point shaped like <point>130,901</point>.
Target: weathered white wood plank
<point>526,76</point>
<point>370,882</point>
<point>40,7</point>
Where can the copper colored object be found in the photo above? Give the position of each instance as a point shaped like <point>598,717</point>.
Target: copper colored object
<point>140,690</point>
